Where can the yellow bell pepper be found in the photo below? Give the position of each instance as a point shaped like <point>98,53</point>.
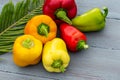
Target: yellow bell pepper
<point>41,27</point>
<point>55,56</point>
<point>27,51</point>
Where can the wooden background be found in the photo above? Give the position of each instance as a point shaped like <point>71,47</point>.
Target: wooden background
<point>100,62</point>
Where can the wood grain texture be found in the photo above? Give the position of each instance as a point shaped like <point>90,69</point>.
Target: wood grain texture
<point>100,62</point>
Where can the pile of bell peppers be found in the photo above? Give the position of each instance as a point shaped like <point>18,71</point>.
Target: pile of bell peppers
<point>40,41</point>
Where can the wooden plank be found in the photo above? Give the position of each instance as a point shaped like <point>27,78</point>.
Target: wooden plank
<point>12,76</point>
<point>91,64</point>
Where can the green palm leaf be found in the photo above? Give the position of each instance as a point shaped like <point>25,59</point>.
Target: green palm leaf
<point>13,19</point>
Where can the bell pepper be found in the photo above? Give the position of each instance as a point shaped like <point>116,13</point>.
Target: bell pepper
<point>74,39</point>
<point>27,51</point>
<point>60,10</point>
<point>55,57</point>
<point>41,27</point>
<point>93,20</point>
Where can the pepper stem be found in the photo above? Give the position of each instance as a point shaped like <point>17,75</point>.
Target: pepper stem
<point>58,64</point>
<point>43,29</point>
<point>61,14</point>
<point>28,43</point>
<point>105,11</point>
<point>82,45</point>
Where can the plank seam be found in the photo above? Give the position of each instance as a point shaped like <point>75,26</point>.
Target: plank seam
<point>28,75</point>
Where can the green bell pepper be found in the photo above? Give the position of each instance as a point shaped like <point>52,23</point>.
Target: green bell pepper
<point>93,20</point>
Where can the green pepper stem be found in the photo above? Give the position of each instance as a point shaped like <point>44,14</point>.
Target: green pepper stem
<point>105,11</point>
<point>62,15</point>
<point>62,68</point>
<point>43,29</point>
<point>82,45</point>
<point>58,64</point>
<point>28,43</point>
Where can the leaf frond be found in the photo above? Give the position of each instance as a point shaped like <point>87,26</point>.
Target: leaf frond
<point>13,19</point>
<point>6,16</point>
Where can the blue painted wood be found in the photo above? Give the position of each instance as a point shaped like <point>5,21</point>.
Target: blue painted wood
<point>100,62</point>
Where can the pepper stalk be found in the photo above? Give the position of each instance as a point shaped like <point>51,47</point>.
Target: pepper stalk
<point>58,64</point>
<point>62,15</point>
<point>82,45</point>
<point>105,12</point>
<point>43,29</point>
<point>28,43</point>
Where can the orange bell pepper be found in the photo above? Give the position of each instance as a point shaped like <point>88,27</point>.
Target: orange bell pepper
<point>41,27</point>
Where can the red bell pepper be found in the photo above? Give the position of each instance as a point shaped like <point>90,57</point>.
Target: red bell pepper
<point>74,39</point>
<point>60,10</point>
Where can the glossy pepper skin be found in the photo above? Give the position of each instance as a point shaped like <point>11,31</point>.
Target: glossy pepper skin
<point>27,51</point>
<point>41,27</point>
<point>93,20</point>
<point>60,10</point>
<point>55,56</point>
<point>74,39</point>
